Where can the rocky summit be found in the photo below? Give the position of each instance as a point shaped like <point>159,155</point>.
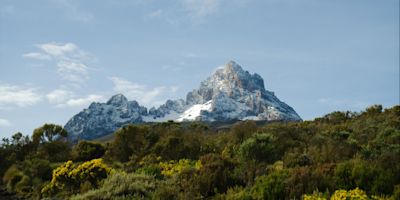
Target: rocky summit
<point>231,93</point>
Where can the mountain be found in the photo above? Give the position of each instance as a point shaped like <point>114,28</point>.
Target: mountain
<point>231,93</point>
<point>104,118</point>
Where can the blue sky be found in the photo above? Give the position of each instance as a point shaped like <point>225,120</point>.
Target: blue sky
<point>57,56</point>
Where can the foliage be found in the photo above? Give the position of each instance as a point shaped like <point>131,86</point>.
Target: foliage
<point>173,167</point>
<point>70,177</point>
<point>85,151</point>
<point>121,185</point>
<point>47,133</point>
<point>271,186</point>
<point>258,147</point>
<point>320,159</point>
<point>351,194</point>
<point>129,140</point>
<point>214,176</point>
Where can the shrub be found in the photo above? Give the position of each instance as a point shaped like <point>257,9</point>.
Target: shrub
<point>214,176</point>
<point>11,177</point>
<point>271,186</point>
<point>85,150</point>
<point>314,196</point>
<point>122,186</point>
<point>243,130</point>
<point>259,147</point>
<point>178,146</point>
<point>70,178</point>
<point>129,140</point>
<point>235,193</point>
<point>351,194</point>
<point>172,167</point>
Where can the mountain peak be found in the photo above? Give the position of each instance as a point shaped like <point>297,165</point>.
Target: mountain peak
<point>233,76</point>
<point>230,93</point>
<point>118,99</point>
<point>232,68</point>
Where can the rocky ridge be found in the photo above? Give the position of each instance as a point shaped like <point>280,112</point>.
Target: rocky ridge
<point>231,93</point>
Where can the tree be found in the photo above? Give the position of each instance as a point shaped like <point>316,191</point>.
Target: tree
<point>47,133</point>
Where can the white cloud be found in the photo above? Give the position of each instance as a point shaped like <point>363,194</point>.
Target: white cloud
<point>59,96</point>
<point>145,95</point>
<point>73,71</point>
<point>37,55</point>
<point>71,61</point>
<point>62,98</point>
<point>201,8</point>
<point>12,95</point>
<point>5,123</point>
<point>83,102</point>
<point>57,50</point>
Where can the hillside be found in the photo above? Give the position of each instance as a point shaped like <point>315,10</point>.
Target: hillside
<point>341,153</point>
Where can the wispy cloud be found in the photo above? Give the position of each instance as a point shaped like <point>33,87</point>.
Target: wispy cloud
<point>37,55</point>
<point>71,61</point>
<point>59,96</point>
<point>5,123</point>
<point>73,11</point>
<point>156,13</point>
<point>145,95</point>
<point>193,11</point>
<point>84,101</point>
<point>73,71</point>
<point>62,98</point>
<point>198,9</point>
<point>58,50</point>
<point>18,96</point>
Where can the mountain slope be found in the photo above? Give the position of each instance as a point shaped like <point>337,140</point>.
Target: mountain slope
<point>231,93</point>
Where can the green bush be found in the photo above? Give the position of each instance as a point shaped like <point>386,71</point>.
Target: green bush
<point>259,147</point>
<point>235,193</point>
<point>215,175</point>
<point>122,186</point>
<point>85,151</point>
<point>271,186</point>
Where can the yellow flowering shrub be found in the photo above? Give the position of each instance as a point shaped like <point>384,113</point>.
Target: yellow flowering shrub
<point>314,196</point>
<point>70,177</point>
<point>355,194</point>
<point>173,167</point>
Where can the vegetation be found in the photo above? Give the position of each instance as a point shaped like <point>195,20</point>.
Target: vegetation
<point>342,155</point>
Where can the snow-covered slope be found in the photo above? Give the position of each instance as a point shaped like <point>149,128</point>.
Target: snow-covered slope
<point>104,118</point>
<point>231,93</point>
<point>194,112</point>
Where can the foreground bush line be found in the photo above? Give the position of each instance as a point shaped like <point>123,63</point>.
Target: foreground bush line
<point>343,155</point>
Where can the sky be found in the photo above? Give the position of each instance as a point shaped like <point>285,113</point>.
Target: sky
<point>318,56</point>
